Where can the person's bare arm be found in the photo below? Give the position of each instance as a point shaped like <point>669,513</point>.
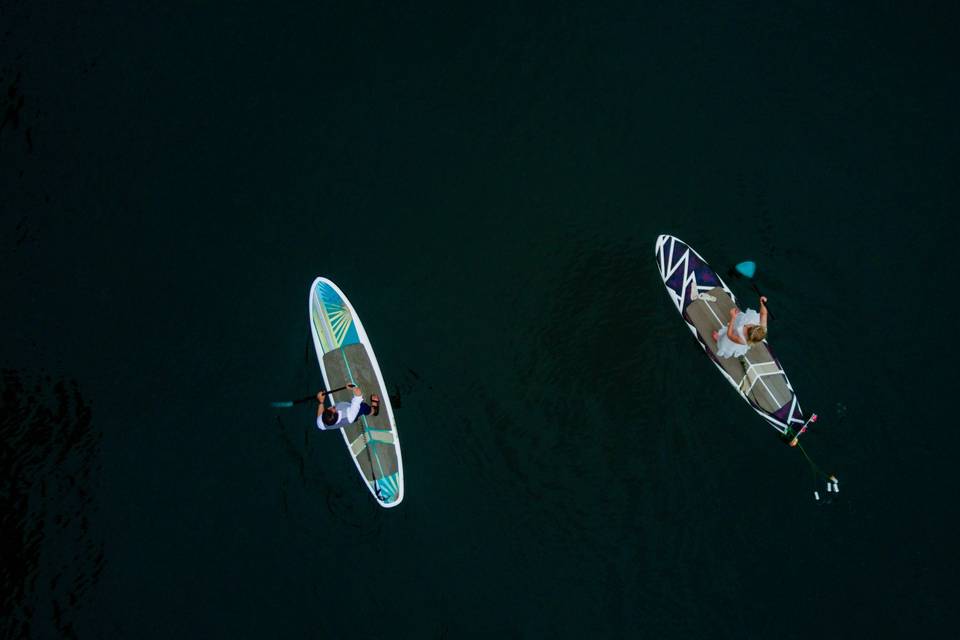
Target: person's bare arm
<point>763,311</point>
<point>733,335</point>
<point>355,402</point>
<point>730,331</point>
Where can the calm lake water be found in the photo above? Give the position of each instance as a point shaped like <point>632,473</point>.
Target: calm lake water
<point>487,186</point>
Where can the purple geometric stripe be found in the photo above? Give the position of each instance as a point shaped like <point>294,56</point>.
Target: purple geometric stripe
<point>675,282</point>
<point>798,415</point>
<point>770,421</point>
<point>679,247</point>
<point>783,413</point>
<point>705,275</point>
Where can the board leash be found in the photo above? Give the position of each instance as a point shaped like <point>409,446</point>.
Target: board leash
<point>833,484</point>
<point>748,270</point>
<point>811,420</point>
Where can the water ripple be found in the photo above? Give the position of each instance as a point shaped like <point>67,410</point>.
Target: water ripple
<point>49,457</point>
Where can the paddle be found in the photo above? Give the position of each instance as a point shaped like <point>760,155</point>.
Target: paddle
<point>286,404</point>
<point>748,269</point>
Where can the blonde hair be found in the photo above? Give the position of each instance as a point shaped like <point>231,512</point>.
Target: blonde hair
<point>757,334</point>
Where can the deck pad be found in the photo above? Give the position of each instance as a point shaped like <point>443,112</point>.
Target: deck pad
<point>351,364</point>
<point>761,378</point>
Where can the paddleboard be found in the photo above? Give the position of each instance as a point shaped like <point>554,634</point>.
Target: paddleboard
<point>346,356</point>
<point>758,376</point>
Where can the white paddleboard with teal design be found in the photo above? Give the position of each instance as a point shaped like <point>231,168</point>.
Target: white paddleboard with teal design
<point>345,355</point>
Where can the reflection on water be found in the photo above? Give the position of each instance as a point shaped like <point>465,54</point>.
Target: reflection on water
<point>311,489</point>
<point>49,461</point>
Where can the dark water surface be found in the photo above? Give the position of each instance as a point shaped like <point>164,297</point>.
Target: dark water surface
<point>486,185</point>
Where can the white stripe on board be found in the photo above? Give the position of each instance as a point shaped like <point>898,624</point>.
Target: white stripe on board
<point>381,436</point>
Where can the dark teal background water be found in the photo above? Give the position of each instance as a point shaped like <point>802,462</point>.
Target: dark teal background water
<point>486,185</point>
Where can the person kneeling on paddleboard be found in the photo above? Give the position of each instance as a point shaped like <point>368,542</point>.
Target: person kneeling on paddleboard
<point>743,331</point>
<point>343,413</point>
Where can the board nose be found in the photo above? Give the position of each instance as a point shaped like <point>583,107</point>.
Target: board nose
<point>661,239</point>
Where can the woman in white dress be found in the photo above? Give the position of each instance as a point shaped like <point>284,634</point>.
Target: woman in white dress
<point>743,331</point>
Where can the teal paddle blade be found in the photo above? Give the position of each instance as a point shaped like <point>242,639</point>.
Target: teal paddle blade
<point>747,268</point>
<point>281,404</point>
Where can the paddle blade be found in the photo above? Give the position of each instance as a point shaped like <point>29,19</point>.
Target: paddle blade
<point>746,269</point>
<point>282,405</point>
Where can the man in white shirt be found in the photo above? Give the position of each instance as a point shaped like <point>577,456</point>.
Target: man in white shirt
<point>343,413</point>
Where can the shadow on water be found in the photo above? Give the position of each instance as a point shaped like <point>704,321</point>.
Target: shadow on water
<point>602,441</point>
<point>49,460</point>
<point>309,494</point>
<point>313,496</point>
<point>588,339</point>
<point>313,488</point>
<point>561,433</point>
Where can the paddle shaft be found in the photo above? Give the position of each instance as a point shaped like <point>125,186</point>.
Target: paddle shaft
<point>335,390</point>
<point>735,271</point>
<point>314,397</point>
<point>757,291</point>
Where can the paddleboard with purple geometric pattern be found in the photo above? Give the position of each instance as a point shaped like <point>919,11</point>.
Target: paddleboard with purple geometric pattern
<point>704,302</point>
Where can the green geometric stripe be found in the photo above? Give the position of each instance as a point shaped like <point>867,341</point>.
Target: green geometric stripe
<point>366,429</point>
<point>336,315</point>
<point>318,324</point>
<point>389,487</point>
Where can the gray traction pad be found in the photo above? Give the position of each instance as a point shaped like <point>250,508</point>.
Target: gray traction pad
<point>770,392</point>
<point>384,455</point>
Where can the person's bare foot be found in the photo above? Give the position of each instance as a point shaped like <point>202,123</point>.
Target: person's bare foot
<point>375,404</point>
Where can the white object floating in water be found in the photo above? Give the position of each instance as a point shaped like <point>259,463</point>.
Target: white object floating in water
<point>829,487</point>
<point>836,488</point>
<point>816,494</point>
